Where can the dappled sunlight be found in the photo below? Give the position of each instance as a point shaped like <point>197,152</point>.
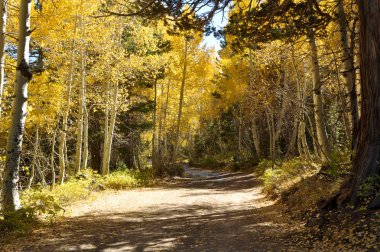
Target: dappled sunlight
<point>186,215</point>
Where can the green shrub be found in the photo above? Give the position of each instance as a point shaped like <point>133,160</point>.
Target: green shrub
<point>123,179</point>
<point>279,177</point>
<point>263,166</point>
<point>21,220</point>
<point>47,202</point>
<point>119,180</point>
<point>369,189</point>
<point>339,163</point>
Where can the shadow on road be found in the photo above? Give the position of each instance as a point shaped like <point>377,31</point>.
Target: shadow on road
<point>171,230</point>
<point>232,225</point>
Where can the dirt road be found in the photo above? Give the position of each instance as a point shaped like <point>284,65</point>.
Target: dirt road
<point>210,211</point>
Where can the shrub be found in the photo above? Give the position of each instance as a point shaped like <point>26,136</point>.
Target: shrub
<point>338,164</point>
<point>21,220</point>
<point>263,166</point>
<point>47,203</point>
<point>369,189</point>
<point>277,178</point>
<point>176,170</point>
<point>123,179</point>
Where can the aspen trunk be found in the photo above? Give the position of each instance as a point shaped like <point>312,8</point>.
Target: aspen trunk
<point>165,147</point>
<point>349,70</point>
<point>52,165</point>
<point>346,114</point>
<point>239,122</point>
<point>317,99</point>
<point>176,144</point>
<point>302,146</point>
<point>34,160</point>
<point>154,137</point>
<point>160,124</point>
<point>110,122</point>
<point>62,148</point>
<point>255,135</point>
<point>293,137</point>
<point>85,119</point>
<point>85,138</point>
<point>256,139</point>
<point>110,132</point>
<point>78,151</point>
<point>105,170</point>
<point>271,131</point>
<point>11,201</point>
<point>3,25</point>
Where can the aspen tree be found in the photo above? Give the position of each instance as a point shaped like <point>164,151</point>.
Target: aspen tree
<point>110,125</point>
<point>11,201</point>
<point>349,70</point>
<point>183,82</point>
<point>3,25</point>
<point>78,164</point>
<point>317,99</point>
<point>62,149</point>
<point>255,135</point>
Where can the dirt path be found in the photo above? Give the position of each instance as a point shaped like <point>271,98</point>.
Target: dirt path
<point>211,211</point>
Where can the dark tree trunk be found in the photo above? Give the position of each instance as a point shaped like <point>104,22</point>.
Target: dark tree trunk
<point>366,160</point>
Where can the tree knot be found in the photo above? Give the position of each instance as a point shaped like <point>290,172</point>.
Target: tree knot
<point>25,69</point>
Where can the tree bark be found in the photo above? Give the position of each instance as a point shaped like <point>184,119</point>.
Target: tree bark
<point>105,168</point>
<point>52,165</point>
<point>256,139</point>
<point>110,132</point>
<point>159,137</point>
<point>176,143</point>
<point>255,135</point>
<point>85,114</point>
<point>11,201</point>
<point>34,161</point>
<point>3,25</point>
<point>78,150</point>
<point>317,100</point>
<point>165,140</point>
<point>154,137</point>
<point>367,158</point>
<point>349,70</point>
<point>62,148</point>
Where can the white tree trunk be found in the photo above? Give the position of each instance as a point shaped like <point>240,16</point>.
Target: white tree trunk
<point>255,135</point>
<point>317,100</point>
<point>62,149</point>
<point>165,140</point>
<point>85,119</point>
<point>11,201</point>
<point>85,138</point>
<point>155,159</point>
<point>349,70</point>
<point>110,132</point>
<point>3,25</point>
<point>176,144</point>
<point>105,168</point>
<point>78,151</point>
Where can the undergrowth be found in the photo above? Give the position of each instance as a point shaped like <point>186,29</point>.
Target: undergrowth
<point>279,177</point>
<point>46,203</point>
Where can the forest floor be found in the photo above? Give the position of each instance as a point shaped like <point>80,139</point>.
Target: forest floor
<point>205,211</point>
